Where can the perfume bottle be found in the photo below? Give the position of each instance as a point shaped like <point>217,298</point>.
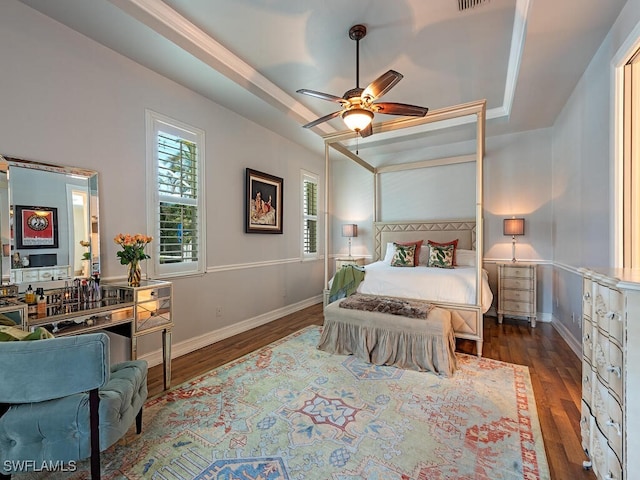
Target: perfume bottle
<point>29,296</point>
<point>41,308</point>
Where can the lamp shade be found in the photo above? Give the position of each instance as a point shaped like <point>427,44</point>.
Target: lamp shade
<point>357,119</point>
<point>513,226</point>
<point>350,230</point>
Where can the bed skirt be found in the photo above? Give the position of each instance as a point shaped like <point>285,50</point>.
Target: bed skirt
<point>387,339</point>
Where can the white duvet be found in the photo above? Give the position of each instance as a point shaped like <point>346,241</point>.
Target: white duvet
<point>450,285</point>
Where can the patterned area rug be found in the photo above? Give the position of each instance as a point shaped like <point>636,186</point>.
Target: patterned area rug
<point>290,411</point>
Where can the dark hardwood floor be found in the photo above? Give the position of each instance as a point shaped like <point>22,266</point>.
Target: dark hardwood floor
<point>555,374</point>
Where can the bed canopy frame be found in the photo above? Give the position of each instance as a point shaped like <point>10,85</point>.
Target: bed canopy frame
<point>448,114</point>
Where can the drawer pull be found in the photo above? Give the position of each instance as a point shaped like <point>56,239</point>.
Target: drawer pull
<point>586,380</point>
<point>587,296</point>
<point>615,425</point>
<point>615,369</point>
<point>609,476</point>
<point>614,316</point>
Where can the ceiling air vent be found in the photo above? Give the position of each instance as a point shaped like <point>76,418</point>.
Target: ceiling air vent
<point>466,4</point>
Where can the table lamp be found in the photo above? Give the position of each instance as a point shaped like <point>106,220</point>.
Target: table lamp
<point>513,227</point>
<point>350,230</point>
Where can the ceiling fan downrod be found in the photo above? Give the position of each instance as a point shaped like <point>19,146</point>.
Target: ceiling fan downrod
<point>357,33</point>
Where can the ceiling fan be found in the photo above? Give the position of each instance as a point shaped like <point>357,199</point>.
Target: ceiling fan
<point>358,104</point>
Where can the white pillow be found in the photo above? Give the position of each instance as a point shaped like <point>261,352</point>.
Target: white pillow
<point>465,258</point>
<point>388,256</point>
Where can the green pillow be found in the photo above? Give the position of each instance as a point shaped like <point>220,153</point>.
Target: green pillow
<point>441,256</point>
<point>12,334</point>
<point>404,255</point>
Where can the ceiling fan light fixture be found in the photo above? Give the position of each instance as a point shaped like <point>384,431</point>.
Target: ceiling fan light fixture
<point>357,119</point>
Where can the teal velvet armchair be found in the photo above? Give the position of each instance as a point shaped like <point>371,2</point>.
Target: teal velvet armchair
<point>61,402</point>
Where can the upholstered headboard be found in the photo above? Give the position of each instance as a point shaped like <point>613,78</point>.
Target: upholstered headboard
<point>436,230</point>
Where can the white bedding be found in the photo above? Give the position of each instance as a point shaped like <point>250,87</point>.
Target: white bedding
<point>450,285</point>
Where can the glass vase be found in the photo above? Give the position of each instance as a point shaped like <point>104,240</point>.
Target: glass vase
<point>134,274</point>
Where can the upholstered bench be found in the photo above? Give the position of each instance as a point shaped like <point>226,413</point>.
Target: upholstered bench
<point>423,344</point>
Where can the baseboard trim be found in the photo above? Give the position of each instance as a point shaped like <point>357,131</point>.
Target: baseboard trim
<point>544,317</point>
<point>574,344</point>
<point>540,317</point>
<point>195,343</point>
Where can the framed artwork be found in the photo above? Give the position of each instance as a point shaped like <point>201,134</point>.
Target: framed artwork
<point>36,227</point>
<point>263,202</point>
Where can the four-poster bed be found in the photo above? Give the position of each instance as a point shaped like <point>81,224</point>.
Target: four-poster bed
<point>466,315</point>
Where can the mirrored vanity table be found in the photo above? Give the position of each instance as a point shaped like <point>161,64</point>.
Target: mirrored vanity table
<point>50,239</point>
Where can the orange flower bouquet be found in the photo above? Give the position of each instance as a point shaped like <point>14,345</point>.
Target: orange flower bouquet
<point>132,252</point>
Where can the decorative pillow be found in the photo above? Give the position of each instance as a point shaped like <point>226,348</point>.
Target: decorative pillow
<point>441,256</point>
<point>465,258</point>
<point>443,244</point>
<point>404,255</point>
<point>418,244</point>
<point>10,334</point>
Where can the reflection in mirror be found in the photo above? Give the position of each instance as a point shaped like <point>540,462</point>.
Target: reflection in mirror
<point>48,223</point>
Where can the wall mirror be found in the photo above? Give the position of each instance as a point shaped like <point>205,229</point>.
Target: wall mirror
<point>49,224</point>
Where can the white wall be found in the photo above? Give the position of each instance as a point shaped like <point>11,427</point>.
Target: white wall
<point>68,100</point>
<point>583,185</point>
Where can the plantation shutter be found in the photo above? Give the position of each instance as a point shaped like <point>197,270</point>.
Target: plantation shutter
<point>178,197</point>
<point>310,214</point>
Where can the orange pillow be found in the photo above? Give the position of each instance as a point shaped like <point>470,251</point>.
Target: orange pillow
<point>453,242</point>
<point>416,256</point>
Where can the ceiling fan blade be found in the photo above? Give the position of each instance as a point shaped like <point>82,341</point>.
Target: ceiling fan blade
<point>382,84</point>
<point>322,96</point>
<point>322,119</point>
<point>391,108</point>
<point>368,130</point>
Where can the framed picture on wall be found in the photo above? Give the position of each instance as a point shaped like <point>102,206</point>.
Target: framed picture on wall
<point>36,227</point>
<point>263,202</point>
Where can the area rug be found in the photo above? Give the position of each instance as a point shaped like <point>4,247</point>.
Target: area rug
<point>290,411</point>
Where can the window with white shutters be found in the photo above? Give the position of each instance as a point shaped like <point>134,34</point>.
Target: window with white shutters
<point>309,215</point>
<point>176,210</point>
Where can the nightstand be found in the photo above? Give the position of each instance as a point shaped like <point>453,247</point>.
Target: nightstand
<point>342,261</point>
<point>517,291</point>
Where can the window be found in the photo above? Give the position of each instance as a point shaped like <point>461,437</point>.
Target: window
<point>309,215</point>
<point>631,164</point>
<point>175,212</point>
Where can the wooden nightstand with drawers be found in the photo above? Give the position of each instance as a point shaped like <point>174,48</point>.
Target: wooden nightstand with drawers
<point>517,291</point>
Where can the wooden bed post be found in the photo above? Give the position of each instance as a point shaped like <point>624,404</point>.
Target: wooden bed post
<point>480,124</point>
<point>376,203</point>
<point>326,215</point>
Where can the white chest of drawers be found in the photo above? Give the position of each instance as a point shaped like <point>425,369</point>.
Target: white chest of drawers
<point>610,422</point>
<point>517,291</point>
